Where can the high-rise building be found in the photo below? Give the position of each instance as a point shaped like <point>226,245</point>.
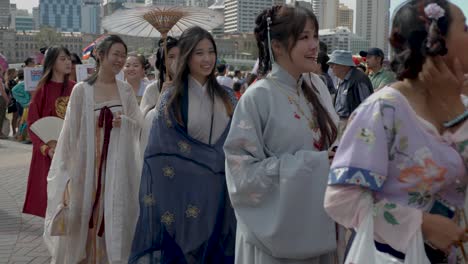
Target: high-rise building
<point>304,4</point>
<point>24,23</point>
<point>345,17</point>
<point>336,39</point>
<point>91,16</point>
<point>373,22</point>
<point>326,12</point>
<point>20,19</point>
<point>12,16</point>
<point>110,6</point>
<point>239,15</point>
<point>4,13</point>
<point>166,2</point>
<point>35,14</point>
<point>63,15</point>
<point>200,3</point>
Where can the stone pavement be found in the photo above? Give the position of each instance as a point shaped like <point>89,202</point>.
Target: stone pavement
<point>20,235</point>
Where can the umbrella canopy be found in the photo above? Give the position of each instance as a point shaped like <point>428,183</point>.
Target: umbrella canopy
<point>159,21</point>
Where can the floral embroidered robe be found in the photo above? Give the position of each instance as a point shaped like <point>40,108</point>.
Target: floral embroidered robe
<point>404,161</point>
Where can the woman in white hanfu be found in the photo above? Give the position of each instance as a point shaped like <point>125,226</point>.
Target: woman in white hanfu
<point>277,157</point>
<point>95,174</point>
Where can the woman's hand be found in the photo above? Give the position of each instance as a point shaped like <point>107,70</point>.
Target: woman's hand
<point>442,232</point>
<point>117,121</point>
<point>51,144</point>
<point>444,87</point>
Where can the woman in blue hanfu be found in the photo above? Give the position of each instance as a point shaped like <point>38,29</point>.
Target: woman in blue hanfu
<point>185,212</point>
<point>277,158</point>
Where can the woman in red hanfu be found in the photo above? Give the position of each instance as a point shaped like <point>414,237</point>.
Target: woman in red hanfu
<point>50,99</point>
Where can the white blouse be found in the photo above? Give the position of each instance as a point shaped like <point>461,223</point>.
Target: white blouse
<point>200,111</point>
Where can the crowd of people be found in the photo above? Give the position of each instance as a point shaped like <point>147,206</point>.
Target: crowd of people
<point>294,162</point>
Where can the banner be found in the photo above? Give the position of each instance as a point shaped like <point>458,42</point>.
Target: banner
<point>31,78</point>
<point>83,71</point>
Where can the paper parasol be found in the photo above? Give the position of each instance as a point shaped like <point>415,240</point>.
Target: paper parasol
<point>161,21</point>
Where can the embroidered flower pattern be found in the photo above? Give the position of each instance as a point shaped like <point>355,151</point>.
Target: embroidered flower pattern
<point>192,211</point>
<point>148,200</point>
<point>184,147</point>
<point>366,135</point>
<point>168,218</point>
<point>169,172</point>
<point>244,125</point>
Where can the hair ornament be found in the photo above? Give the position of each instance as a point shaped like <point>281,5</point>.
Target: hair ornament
<point>269,22</point>
<point>433,11</point>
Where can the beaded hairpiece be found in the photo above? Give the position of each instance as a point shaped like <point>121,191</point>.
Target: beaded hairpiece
<point>270,51</point>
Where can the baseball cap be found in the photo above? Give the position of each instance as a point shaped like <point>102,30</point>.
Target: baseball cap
<point>372,52</point>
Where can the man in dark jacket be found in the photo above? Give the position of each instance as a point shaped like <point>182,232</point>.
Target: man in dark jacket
<point>354,86</point>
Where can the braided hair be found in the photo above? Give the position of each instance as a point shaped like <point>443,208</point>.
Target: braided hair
<point>285,24</point>
<point>414,37</point>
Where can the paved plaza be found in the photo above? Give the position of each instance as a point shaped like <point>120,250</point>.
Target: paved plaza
<point>20,234</point>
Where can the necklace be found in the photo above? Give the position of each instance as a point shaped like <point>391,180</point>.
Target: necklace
<point>311,121</point>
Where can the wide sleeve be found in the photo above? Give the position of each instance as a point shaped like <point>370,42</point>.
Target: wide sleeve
<point>460,140</point>
<point>132,111</point>
<point>64,162</point>
<point>360,167</point>
<point>34,114</point>
<point>276,197</point>
<point>150,97</point>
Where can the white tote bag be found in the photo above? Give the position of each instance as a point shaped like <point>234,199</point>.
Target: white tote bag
<point>363,250</point>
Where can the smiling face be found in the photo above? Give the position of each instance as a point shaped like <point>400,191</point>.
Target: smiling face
<point>303,56</point>
<point>133,69</point>
<point>202,60</point>
<point>63,64</point>
<point>114,60</point>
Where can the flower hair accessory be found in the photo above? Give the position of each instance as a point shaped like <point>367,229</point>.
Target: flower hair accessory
<point>434,11</point>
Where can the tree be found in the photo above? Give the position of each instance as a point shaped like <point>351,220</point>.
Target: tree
<point>47,37</point>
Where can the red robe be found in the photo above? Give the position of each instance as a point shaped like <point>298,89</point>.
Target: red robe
<point>48,101</point>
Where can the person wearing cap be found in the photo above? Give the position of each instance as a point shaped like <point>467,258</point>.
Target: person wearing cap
<point>378,75</point>
<point>354,86</point>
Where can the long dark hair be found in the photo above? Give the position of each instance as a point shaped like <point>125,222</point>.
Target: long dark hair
<point>51,57</point>
<point>414,37</point>
<point>161,58</point>
<point>287,24</point>
<point>102,50</point>
<point>187,43</point>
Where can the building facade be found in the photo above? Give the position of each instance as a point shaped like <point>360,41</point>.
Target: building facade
<point>24,23</point>
<point>91,16</point>
<point>200,3</point>
<point>345,17</point>
<point>358,44</point>
<point>4,14</point>
<point>373,22</point>
<point>166,2</point>
<point>326,12</point>
<point>336,39</point>
<point>63,15</point>
<point>240,15</point>
<point>35,14</point>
